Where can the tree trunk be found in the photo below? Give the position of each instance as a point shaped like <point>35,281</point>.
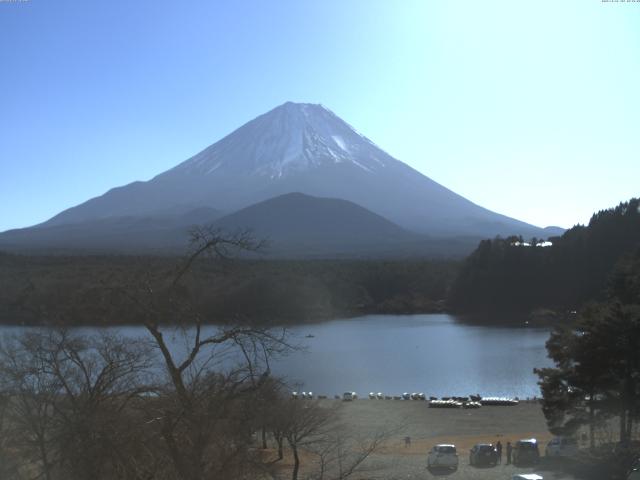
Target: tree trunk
<point>45,459</point>
<point>623,425</point>
<point>592,442</point>
<point>280,447</point>
<point>264,438</point>
<point>184,471</point>
<point>296,462</point>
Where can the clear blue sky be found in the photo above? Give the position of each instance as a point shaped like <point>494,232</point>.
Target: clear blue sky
<point>531,109</point>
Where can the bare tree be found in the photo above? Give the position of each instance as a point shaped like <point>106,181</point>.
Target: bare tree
<point>314,427</point>
<point>86,407</point>
<point>67,398</point>
<point>199,414</point>
<point>306,424</point>
<point>9,461</point>
<point>30,395</point>
<point>339,456</point>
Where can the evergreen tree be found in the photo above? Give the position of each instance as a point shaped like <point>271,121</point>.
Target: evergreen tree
<point>504,275</point>
<point>597,361</point>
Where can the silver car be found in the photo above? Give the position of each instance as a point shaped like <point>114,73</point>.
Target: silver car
<point>443,455</point>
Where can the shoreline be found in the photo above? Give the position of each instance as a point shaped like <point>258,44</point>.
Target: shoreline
<point>499,319</point>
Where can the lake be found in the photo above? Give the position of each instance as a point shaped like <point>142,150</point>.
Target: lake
<point>435,354</point>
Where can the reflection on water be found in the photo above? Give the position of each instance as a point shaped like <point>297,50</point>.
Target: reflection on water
<point>433,354</point>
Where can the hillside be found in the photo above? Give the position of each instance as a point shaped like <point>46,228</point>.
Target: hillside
<point>150,234</point>
<point>504,275</point>
<point>293,225</point>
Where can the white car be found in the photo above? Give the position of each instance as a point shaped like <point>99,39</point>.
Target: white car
<point>443,455</point>
<point>527,476</point>
<point>561,447</point>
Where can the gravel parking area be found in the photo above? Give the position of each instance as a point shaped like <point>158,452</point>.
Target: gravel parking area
<point>429,426</point>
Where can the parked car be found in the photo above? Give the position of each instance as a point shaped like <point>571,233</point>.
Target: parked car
<point>483,454</point>
<point>348,396</point>
<point>526,452</point>
<point>561,447</point>
<point>527,476</point>
<point>443,456</point>
<point>634,470</point>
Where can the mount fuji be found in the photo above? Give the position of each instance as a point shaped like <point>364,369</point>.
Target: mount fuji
<point>296,147</point>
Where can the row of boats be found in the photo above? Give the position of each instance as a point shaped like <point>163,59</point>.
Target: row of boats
<point>472,401</point>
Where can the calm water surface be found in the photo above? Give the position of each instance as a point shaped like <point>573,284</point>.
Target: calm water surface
<point>434,354</point>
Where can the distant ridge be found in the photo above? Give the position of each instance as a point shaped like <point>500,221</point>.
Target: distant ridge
<point>296,221</point>
<point>294,225</point>
<point>122,234</point>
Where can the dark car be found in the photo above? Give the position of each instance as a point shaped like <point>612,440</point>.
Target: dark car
<point>526,452</point>
<point>483,454</point>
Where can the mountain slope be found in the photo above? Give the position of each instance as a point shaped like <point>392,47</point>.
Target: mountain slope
<point>299,225</point>
<point>298,219</point>
<point>300,148</point>
<point>293,225</point>
<point>129,233</point>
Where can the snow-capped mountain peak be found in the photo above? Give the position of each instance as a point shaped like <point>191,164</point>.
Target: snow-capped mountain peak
<point>306,148</point>
<point>291,138</point>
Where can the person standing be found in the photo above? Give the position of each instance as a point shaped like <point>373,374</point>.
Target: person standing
<point>499,451</point>
<point>509,450</point>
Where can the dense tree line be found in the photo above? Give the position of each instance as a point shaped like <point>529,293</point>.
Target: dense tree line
<point>71,289</point>
<point>517,275</point>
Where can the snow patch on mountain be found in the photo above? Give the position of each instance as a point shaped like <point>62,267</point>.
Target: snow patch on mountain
<point>290,138</point>
<point>214,168</point>
<point>339,142</point>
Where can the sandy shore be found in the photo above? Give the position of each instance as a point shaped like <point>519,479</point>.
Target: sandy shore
<point>429,426</point>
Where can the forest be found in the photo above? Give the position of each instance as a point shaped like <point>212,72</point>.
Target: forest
<point>78,290</point>
<point>514,275</point>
